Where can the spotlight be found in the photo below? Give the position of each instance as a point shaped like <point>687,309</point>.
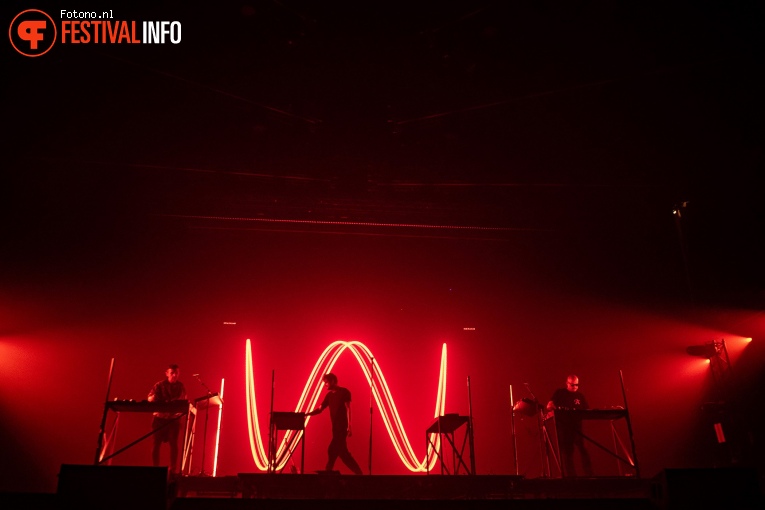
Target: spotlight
<point>706,351</point>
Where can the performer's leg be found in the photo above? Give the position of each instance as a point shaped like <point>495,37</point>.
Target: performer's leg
<point>349,461</point>
<point>173,441</point>
<point>586,462</point>
<point>332,453</point>
<point>566,455</point>
<point>157,443</point>
<point>155,452</point>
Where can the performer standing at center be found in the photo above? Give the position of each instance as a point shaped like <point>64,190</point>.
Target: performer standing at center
<point>569,429</point>
<point>166,427</point>
<point>338,399</point>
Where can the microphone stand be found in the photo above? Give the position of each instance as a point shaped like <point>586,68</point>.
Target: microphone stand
<point>470,429</point>
<point>207,417</point>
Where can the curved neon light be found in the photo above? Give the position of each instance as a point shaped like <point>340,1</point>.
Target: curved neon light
<point>310,398</point>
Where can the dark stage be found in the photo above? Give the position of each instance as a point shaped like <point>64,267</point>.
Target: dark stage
<point>148,488</point>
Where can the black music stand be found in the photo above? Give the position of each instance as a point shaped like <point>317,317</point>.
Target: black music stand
<point>286,421</point>
<point>445,426</point>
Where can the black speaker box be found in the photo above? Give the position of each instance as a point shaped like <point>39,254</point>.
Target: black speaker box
<point>732,488</point>
<point>113,487</point>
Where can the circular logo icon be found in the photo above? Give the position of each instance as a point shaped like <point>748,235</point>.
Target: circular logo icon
<point>32,33</point>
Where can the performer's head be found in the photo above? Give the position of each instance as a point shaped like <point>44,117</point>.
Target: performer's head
<point>330,380</point>
<point>572,383</point>
<point>172,373</point>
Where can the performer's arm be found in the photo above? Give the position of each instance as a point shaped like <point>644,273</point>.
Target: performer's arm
<point>315,411</point>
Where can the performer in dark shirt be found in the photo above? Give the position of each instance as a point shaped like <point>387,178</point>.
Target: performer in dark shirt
<point>569,429</point>
<point>338,399</point>
<point>167,426</point>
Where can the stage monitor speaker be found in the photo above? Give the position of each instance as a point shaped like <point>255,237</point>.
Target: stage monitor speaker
<point>737,488</point>
<point>113,487</point>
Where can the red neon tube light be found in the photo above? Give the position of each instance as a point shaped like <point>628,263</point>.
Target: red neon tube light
<point>312,391</point>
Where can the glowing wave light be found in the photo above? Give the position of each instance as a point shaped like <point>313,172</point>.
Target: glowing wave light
<point>310,398</point>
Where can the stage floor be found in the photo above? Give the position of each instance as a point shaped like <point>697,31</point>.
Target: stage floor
<point>150,488</point>
<point>430,487</point>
